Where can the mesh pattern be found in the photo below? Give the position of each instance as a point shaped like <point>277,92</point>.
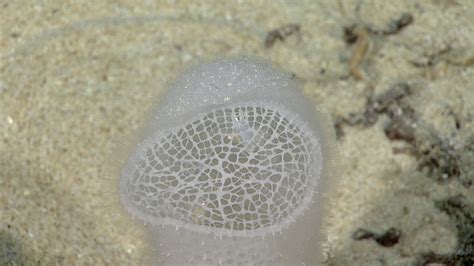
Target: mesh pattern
<point>235,170</point>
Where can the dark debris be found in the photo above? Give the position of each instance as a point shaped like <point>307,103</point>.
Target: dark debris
<point>360,35</point>
<point>395,25</point>
<point>435,154</point>
<point>432,59</point>
<point>388,239</point>
<point>443,161</point>
<point>280,34</point>
<point>440,159</point>
<point>390,103</point>
<point>462,214</point>
<point>399,129</point>
<point>349,36</point>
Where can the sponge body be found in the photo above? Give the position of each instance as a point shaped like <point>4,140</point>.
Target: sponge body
<point>229,169</point>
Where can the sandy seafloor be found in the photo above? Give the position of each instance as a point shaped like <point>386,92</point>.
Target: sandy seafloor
<point>77,76</point>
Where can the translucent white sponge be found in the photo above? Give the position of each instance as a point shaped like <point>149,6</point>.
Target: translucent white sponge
<point>232,152</point>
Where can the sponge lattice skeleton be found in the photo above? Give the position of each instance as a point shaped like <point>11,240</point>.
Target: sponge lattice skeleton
<point>229,168</point>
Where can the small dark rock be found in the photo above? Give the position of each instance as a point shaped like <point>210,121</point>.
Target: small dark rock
<point>388,239</point>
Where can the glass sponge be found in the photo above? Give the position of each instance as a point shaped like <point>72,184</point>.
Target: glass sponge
<point>229,168</point>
